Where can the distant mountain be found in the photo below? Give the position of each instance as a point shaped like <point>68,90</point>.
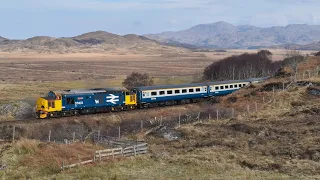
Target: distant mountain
<point>98,41</point>
<point>225,35</point>
<point>2,39</point>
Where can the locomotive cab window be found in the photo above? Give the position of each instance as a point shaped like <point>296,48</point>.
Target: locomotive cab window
<point>184,91</point>
<point>169,92</point>
<point>154,93</point>
<point>239,85</point>
<point>70,101</point>
<point>198,90</point>
<point>162,92</point>
<point>190,90</point>
<point>244,84</point>
<point>177,91</point>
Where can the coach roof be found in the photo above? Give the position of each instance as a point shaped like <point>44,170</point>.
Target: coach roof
<point>146,88</point>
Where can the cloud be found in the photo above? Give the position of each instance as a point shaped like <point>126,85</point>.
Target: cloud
<point>99,5</point>
<point>137,23</point>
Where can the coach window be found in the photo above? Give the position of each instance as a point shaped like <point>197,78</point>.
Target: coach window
<point>216,87</point>
<point>184,91</point>
<point>240,86</point>
<point>198,90</point>
<point>162,92</point>
<point>177,91</point>
<point>190,90</point>
<point>154,93</point>
<point>236,86</point>
<point>169,92</point>
<point>244,85</point>
<point>226,86</point>
<point>231,86</point>
<point>221,87</point>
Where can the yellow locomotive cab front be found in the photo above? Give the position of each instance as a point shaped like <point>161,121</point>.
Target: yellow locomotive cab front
<point>42,108</point>
<point>48,107</point>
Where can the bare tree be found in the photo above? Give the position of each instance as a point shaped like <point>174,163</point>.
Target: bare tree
<point>265,54</point>
<point>136,79</point>
<point>242,67</point>
<point>293,59</point>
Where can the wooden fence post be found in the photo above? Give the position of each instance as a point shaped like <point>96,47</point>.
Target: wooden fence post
<point>232,113</point>
<point>13,133</point>
<point>94,157</point>
<point>49,137</point>
<point>73,137</point>
<point>161,120</point>
<point>217,114</point>
<point>98,135</point>
<point>134,150</point>
<point>119,133</point>
<point>141,126</point>
<point>283,86</point>
<point>198,117</point>
<point>256,105</point>
<point>179,119</point>
<point>113,153</point>
<point>122,154</point>
<point>62,165</point>
<point>209,118</point>
<point>273,91</point>
<point>99,155</point>
<point>248,109</point>
<point>263,99</point>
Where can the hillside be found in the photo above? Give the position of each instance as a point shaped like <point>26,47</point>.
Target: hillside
<point>225,35</point>
<point>311,46</point>
<point>93,42</point>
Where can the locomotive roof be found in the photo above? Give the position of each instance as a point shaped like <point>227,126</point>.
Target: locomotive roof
<point>90,91</point>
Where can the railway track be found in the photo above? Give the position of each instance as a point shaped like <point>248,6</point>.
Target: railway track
<point>63,119</point>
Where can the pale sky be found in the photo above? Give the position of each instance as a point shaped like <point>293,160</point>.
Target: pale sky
<point>64,18</point>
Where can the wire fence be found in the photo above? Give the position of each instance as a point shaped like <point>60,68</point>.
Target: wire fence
<point>116,135</point>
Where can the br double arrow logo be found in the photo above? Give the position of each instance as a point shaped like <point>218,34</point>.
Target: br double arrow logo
<point>112,99</point>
